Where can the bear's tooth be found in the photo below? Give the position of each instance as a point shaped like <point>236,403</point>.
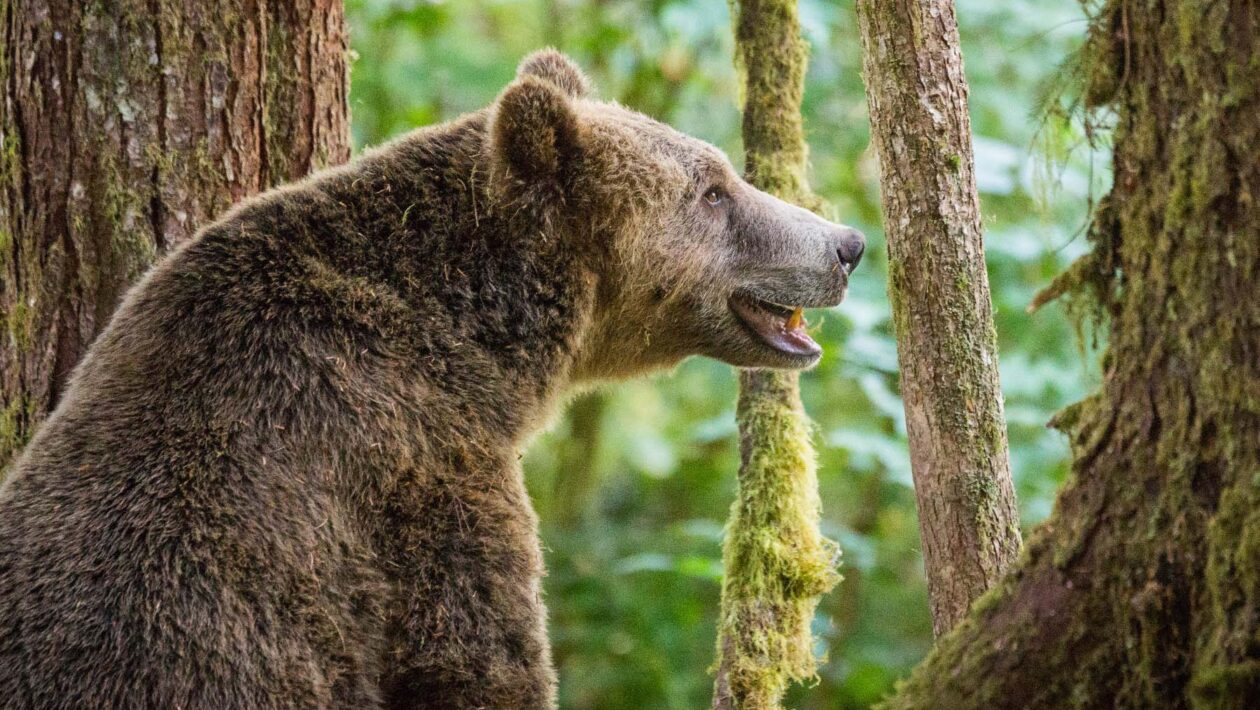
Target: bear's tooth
<point>798,317</point>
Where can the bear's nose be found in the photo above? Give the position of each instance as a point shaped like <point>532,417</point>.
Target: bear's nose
<point>850,243</point>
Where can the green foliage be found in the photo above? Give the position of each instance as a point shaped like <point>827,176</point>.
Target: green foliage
<point>633,525</point>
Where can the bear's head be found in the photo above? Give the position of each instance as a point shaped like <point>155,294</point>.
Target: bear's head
<point>687,257</point>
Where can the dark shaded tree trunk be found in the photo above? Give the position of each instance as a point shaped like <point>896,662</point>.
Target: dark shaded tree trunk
<point>1143,588</point>
<point>776,562</point>
<point>126,125</point>
<point>942,310</point>
<point>572,492</point>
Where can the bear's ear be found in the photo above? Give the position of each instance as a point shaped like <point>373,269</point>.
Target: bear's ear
<point>534,131</point>
<point>553,66</point>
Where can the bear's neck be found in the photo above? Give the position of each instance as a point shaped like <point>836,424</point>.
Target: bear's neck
<point>498,310</point>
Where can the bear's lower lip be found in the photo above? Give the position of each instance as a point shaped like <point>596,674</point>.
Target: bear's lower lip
<point>778,326</point>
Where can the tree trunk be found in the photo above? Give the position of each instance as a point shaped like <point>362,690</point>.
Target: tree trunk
<point>1143,588</point>
<point>571,493</point>
<point>942,311</point>
<point>777,563</point>
<point>126,125</point>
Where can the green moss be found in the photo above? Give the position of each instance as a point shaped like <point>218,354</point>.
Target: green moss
<point>982,497</point>
<point>1143,587</point>
<point>1226,687</point>
<point>280,93</point>
<point>16,420</point>
<point>125,208</point>
<point>777,563</point>
<point>17,324</point>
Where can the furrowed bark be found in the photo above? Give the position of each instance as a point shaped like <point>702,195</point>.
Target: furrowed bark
<point>126,125</point>
<point>942,311</point>
<point>777,563</point>
<point>1143,588</point>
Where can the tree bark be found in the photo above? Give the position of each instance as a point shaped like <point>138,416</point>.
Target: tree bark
<point>776,562</point>
<point>126,125</point>
<point>1143,588</point>
<point>942,311</point>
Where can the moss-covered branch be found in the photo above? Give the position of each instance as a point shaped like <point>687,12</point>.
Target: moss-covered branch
<point>777,563</point>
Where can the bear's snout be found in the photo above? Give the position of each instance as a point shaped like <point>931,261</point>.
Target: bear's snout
<point>791,255</point>
<point>849,246</point>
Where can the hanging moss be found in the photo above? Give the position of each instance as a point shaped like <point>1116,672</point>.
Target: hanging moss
<point>777,563</point>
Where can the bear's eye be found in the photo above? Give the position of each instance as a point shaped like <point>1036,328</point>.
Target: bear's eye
<point>714,196</point>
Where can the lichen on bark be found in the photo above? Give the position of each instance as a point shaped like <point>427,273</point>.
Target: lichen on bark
<point>777,564</point>
<point>1142,590</point>
<point>124,127</point>
<point>942,310</point>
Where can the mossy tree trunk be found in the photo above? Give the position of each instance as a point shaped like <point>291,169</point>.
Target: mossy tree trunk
<point>777,564</point>
<point>1143,588</point>
<point>942,311</point>
<point>124,126</point>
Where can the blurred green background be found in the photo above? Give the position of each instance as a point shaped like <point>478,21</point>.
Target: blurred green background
<point>634,483</point>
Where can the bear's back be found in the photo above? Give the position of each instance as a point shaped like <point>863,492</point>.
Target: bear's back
<point>161,540</point>
<point>200,521</point>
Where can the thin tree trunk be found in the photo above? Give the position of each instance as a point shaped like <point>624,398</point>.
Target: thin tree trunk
<point>124,126</point>
<point>1143,588</point>
<point>571,493</point>
<point>777,564</point>
<point>942,311</point>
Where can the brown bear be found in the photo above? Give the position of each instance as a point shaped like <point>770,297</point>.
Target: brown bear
<point>286,475</point>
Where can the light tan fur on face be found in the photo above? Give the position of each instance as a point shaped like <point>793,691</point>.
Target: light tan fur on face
<point>664,267</point>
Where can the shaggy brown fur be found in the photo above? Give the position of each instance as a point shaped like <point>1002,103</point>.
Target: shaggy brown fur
<point>286,474</point>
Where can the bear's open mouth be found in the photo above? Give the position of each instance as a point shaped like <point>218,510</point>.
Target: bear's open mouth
<point>778,326</point>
